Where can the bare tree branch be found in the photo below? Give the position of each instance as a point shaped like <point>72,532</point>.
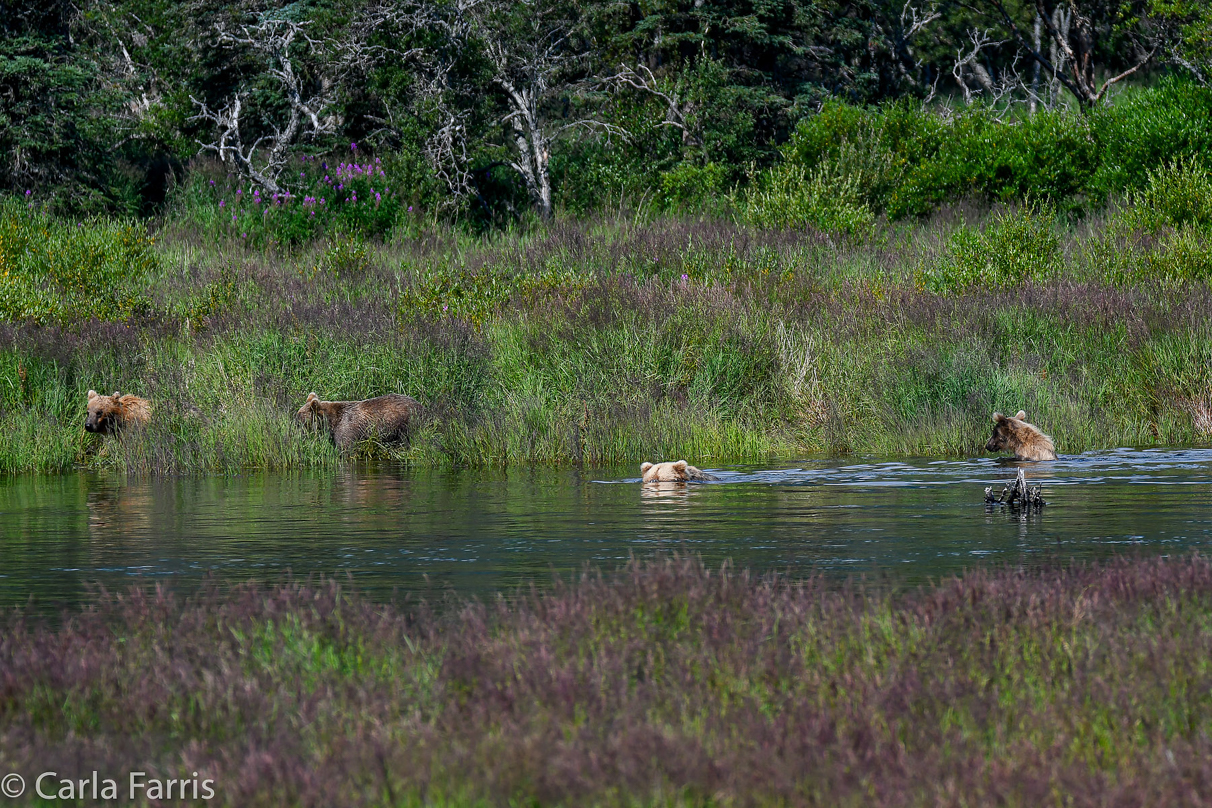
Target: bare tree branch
<point>310,91</point>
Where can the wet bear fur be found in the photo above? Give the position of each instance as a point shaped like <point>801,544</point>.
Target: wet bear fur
<point>109,414</point>
<point>677,471</point>
<point>1024,439</point>
<point>385,417</point>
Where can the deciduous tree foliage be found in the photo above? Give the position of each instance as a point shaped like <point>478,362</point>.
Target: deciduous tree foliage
<point>530,104</point>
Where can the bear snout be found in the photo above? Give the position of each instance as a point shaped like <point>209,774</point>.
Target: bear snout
<point>994,445</point>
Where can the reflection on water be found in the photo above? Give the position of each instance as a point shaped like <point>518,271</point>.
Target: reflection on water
<point>475,532</point>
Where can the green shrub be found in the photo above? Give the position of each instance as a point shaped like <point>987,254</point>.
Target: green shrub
<point>790,197</point>
<point>1183,255</point>
<point>1015,246</point>
<point>690,187</point>
<point>1176,194</point>
<point>56,270</point>
<point>1146,127</point>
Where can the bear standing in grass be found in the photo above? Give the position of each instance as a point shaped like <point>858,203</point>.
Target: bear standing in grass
<point>386,417</point>
<point>678,471</point>
<point>109,414</point>
<point>1024,439</point>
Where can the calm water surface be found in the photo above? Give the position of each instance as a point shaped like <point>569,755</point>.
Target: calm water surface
<point>399,530</point>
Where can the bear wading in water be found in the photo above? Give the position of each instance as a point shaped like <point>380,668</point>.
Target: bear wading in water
<point>385,417</point>
<point>677,471</point>
<point>110,414</point>
<point>1024,439</point>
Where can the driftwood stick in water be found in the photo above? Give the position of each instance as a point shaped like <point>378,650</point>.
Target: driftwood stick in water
<point>1017,494</point>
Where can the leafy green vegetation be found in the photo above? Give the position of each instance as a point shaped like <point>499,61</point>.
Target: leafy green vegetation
<point>58,271</point>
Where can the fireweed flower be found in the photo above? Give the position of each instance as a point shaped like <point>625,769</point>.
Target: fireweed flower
<point>353,146</point>
<point>221,203</point>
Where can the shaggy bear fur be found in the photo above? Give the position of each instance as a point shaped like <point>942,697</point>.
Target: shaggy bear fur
<point>1024,439</point>
<point>385,417</point>
<point>108,414</point>
<point>678,471</point>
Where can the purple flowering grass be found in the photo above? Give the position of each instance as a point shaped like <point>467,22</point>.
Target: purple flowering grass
<point>664,682</point>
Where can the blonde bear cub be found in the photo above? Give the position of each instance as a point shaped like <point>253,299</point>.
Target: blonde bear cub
<point>677,471</point>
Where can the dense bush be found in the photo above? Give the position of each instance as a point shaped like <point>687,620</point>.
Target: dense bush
<point>909,160</point>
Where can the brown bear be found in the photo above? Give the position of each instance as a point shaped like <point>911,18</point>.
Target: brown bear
<point>678,471</point>
<point>109,414</point>
<point>386,417</point>
<point>1024,439</point>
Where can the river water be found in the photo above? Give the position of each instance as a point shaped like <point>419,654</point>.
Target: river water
<point>398,531</point>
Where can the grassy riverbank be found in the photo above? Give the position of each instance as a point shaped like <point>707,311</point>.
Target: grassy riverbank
<point>664,683</point>
<point>616,340</point>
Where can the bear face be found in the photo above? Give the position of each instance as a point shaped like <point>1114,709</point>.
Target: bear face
<point>109,414</point>
<point>1014,434</point>
<point>677,471</point>
<point>329,411</point>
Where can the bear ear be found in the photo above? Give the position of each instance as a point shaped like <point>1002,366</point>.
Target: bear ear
<point>92,394</point>
<point>1021,415</point>
<point>312,397</point>
<point>117,394</point>
<point>644,467</point>
<point>680,465</point>
<point>998,417</point>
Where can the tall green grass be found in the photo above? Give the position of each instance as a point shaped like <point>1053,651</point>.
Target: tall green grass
<point>610,342</point>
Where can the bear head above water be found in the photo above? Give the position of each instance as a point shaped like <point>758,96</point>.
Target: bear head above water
<point>677,471</point>
<point>1014,434</point>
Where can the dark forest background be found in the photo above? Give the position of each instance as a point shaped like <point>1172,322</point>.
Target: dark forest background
<point>491,111</point>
